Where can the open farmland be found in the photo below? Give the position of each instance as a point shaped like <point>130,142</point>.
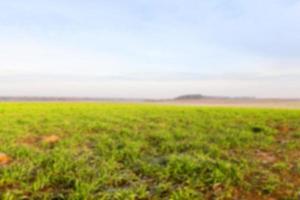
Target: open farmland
<point>139,151</point>
<point>238,102</point>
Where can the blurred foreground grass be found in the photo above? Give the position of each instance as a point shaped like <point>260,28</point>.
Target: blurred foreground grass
<point>138,151</point>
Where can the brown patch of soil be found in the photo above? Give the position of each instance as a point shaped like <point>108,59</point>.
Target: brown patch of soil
<point>250,195</point>
<point>8,187</point>
<point>284,128</point>
<point>265,157</point>
<point>284,133</point>
<point>31,140</point>
<point>51,139</point>
<point>4,159</point>
<point>37,140</point>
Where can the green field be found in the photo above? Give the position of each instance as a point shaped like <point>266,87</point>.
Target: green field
<point>140,151</point>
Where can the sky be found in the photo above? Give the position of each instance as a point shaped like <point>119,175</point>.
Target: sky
<point>150,48</point>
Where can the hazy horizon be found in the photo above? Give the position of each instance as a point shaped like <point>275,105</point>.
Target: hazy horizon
<point>150,49</point>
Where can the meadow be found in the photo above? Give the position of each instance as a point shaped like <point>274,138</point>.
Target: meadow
<point>143,151</point>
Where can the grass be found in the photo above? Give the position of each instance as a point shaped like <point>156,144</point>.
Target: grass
<point>120,151</point>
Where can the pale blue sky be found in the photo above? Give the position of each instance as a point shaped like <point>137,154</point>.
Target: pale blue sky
<point>150,48</point>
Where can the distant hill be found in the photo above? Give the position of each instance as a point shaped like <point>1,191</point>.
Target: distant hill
<point>200,96</point>
<point>190,96</point>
